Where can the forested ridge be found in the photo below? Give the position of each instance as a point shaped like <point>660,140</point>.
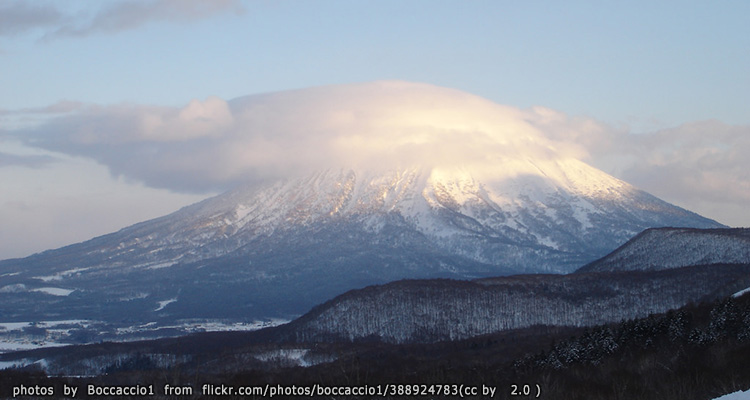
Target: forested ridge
<point>435,310</point>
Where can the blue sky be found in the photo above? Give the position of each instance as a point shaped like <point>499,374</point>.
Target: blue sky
<point>665,83</point>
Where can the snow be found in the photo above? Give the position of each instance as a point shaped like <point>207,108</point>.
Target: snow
<point>164,303</point>
<point>294,355</point>
<point>60,275</point>
<point>8,346</point>
<point>238,326</point>
<point>15,288</point>
<point>54,291</point>
<point>546,200</point>
<point>205,326</point>
<point>20,287</point>
<point>13,326</point>
<point>517,212</point>
<point>736,396</point>
<point>17,326</point>
<point>55,332</point>
<point>162,265</point>
<point>679,247</point>
<point>10,364</point>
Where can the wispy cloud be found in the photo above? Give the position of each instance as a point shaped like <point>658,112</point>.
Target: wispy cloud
<point>125,15</point>
<point>23,16</point>
<point>19,17</point>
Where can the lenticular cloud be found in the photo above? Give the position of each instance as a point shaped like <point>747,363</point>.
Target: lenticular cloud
<point>214,144</point>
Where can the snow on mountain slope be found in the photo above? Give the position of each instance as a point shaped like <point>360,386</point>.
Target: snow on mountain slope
<point>664,248</point>
<point>519,214</point>
<point>449,186</point>
<point>276,249</point>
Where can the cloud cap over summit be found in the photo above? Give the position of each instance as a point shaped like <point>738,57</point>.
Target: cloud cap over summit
<point>211,145</point>
<point>214,144</point>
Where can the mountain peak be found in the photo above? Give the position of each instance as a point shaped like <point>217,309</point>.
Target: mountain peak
<point>406,181</point>
<point>551,211</point>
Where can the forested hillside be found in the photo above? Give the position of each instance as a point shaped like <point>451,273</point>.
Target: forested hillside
<point>435,310</point>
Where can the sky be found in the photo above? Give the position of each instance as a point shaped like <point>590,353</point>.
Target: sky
<point>114,112</point>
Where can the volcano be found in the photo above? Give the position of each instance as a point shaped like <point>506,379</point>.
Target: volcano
<point>273,248</point>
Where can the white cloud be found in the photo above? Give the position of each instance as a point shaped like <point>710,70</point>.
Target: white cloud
<point>213,145</point>
<point>702,166</point>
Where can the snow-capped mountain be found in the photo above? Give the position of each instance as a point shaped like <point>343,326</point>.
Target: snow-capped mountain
<point>469,190</point>
<point>277,249</point>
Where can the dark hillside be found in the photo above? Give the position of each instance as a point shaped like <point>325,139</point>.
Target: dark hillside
<point>695,353</point>
<point>437,310</point>
<point>664,248</point>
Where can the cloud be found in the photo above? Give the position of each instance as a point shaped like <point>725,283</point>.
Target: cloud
<point>23,16</point>
<point>702,159</point>
<point>19,17</point>
<point>213,144</point>
<point>126,15</point>
<point>30,161</point>
<point>702,166</point>
<point>61,107</point>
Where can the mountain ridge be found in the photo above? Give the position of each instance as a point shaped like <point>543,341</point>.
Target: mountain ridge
<point>670,247</point>
<point>418,311</point>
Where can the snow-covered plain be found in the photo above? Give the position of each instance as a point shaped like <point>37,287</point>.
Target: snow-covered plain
<point>16,336</point>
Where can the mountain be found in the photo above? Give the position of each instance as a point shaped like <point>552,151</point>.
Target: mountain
<point>243,254</point>
<point>509,203</point>
<point>663,248</point>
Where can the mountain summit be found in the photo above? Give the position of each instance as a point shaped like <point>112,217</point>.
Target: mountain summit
<point>508,201</point>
